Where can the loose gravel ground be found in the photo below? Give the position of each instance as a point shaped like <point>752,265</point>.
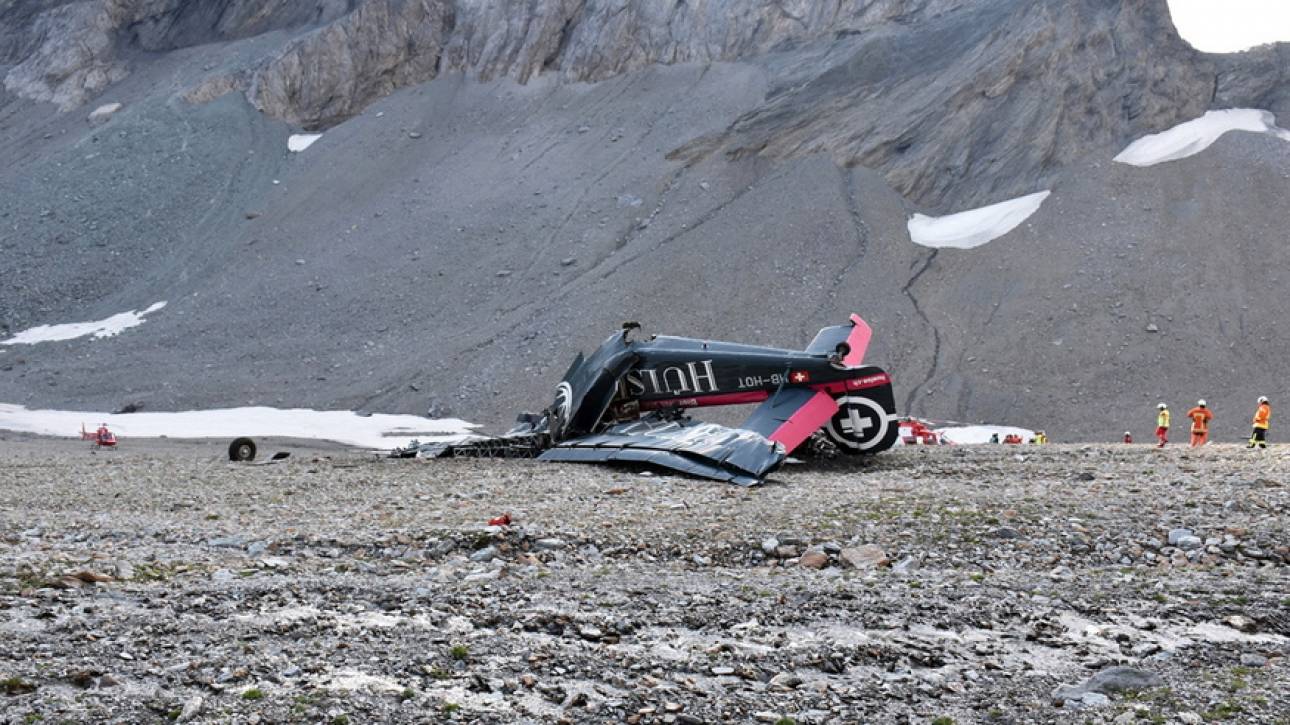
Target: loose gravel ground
<point>160,582</point>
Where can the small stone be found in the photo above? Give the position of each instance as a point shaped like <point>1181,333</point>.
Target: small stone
<point>721,671</point>
<point>1176,534</point>
<point>1189,718</point>
<point>1126,717</point>
<point>222,576</point>
<point>103,113</point>
<point>414,134</point>
<point>786,551</point>
<point>1095,699</point>
<point>300,261</point>
<point>785,681</point>
<point>769,545</point>
<point>673,707</point>
<point>1153,327</point>
<point>1006,532</point>
<point>568,262</point>
<point>813,560</point>
<point>92,577</point>
<point>548,544</point>
<point>484,555</point>
<point>124,570</point>
<point>191,710</point>
<point>1109,680</point>
<point>1250,659</point>
<point>907,565</point>
<point>704,185</point>
<point>868,556</point>
<point>1189,543</point>
<point>1241,623</point>
<point>503,273</point>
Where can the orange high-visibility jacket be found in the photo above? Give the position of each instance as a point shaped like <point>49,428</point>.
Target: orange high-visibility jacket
<point>1200,418</point>
<point>1262,416</point>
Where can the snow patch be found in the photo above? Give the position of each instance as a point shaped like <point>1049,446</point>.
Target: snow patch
<point>970,229</point>
<point>298,142</point>
<point>72,330</point>
<point>1192,137</point>
<point>378,431</point>
<point>971,435</point>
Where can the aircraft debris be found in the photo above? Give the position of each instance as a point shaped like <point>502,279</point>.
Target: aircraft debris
<point>627,401</point>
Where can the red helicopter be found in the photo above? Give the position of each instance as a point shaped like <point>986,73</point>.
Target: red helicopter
<point>101,438</point>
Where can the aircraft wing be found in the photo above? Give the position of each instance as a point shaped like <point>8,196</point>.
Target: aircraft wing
<point>792,415</point>
<point>701,449</point>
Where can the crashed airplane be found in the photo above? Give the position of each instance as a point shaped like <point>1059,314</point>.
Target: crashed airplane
<point>627,402</point>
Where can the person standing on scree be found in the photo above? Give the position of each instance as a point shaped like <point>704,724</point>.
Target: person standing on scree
<point>1162,425</point>
<point>1262,418</point>
<point>1200,418</point>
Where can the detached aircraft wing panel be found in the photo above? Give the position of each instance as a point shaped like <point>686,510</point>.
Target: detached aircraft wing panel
<point>792,415</point>
<point>704,449</point>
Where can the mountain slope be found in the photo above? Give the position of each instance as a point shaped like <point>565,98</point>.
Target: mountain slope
<point>736,170</point>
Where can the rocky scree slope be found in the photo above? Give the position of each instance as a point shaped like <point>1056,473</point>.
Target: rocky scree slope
<point>500,183</point>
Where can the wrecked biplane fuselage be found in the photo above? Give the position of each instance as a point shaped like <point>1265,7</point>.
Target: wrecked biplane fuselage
<point>626,402</point>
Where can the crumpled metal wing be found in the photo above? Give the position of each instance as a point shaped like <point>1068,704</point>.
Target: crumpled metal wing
<point>701,449</point>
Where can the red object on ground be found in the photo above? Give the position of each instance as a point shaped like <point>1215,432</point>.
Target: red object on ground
<point>101,437</point>
<point>503,520</point>
<point>1012,439</point>
<point>915,432</point>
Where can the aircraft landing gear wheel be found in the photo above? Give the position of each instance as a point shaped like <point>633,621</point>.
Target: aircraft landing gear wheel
<point>241,449</point>
<point>861,425</point>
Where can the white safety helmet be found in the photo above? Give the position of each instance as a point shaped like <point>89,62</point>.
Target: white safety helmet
<point>1161,406</point>
<point>1263,398</point>
<point>1201,402</point>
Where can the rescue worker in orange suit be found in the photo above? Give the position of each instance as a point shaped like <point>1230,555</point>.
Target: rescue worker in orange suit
<point>1162,425</point>
<point>1262,417</point>
<point>1200,418</point>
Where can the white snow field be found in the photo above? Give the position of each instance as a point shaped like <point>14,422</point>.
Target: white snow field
<point>972,435</point>
<point>298,142</point>
<point>970,229</point>
<point>72,330</point>
<point>1192,137</point>
<point>378,431</point>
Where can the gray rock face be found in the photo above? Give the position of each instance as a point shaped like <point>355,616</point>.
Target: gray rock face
<point>934,93</point>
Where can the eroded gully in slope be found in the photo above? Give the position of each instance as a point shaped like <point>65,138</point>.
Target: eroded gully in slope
<point>908,291</point>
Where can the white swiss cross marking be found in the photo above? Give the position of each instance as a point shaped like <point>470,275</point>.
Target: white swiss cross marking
<point>800,377</point>
<point>854,424</point>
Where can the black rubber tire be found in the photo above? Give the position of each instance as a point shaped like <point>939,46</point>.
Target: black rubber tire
<point>241,449</point>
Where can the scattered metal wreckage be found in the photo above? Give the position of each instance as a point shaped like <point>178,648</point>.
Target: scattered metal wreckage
<point>627,401</point>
